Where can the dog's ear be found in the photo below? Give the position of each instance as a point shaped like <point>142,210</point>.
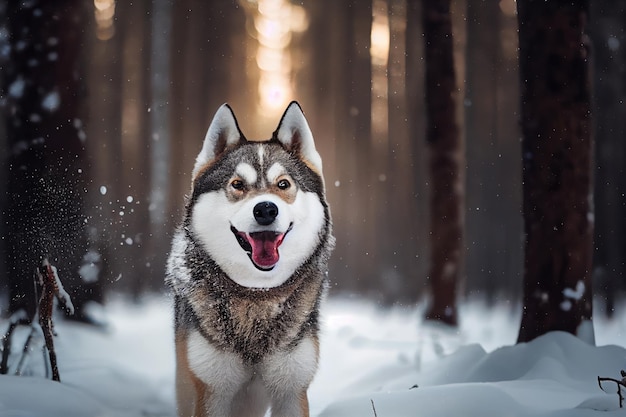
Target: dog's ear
<point>295,135</point>
<point>223,133</point>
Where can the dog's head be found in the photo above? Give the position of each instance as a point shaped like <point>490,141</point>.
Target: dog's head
<point>258,208</point>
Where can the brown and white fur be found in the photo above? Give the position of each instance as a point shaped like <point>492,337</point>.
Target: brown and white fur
<point>248,269</point>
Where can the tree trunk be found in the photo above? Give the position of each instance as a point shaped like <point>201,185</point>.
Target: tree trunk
<point>105,81</point>
<point>129,250</point>
<point>442,135</point>
<point>416,119</point>
<point>46,163</point>
<point>610,129</point>
<point>556,149</point>
<point>160,185</point>
<point>481,116</point>
<point>358,120</point>
<point>348,59</point>
<point>401,232</point>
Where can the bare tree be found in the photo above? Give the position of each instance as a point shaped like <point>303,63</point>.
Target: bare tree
<point>444,139</point>
<point>556,146</point>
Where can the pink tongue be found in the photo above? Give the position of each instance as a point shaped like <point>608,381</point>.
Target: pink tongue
<point>265,247</point>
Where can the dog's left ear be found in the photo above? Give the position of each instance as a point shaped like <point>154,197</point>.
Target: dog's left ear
<point>294,133</point>
<point>223,133</point>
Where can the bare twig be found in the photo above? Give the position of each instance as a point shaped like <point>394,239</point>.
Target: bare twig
<point>51,288</point>
<point>620,383</point>
<point>47,278</point>
<point>373,408</point>
<point>7,340</point>
<point>20,364</point>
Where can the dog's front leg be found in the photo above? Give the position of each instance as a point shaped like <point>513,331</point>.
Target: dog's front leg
<point>221,373</point>
<point>287,376</point>
<point>293,404</point>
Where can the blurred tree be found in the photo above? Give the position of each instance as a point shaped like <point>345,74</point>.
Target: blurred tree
<point>159,144</point>
<point>208,67</point>
<point>556,146</point>
<point>356,114</point>
<point>416,111</point>
<point>347,103</point>
<point>119,115</point>
<point>404,225</point>
<point>5,48</point>
<point>609,80</point>
<point>444,139</point>
<point>483,59</point>
<point>131,216</point>
<point>492,137</point>
<point>46,168</point>
<point>104,147</point>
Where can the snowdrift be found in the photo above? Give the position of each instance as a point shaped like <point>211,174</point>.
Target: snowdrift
<point>554,375</point>
<point>373,363</point>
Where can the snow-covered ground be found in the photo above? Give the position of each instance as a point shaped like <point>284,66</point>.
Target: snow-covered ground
<point>374,362</point>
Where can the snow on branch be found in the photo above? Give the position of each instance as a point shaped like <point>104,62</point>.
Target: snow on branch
<point>51,288</point>
<point>47,278</point>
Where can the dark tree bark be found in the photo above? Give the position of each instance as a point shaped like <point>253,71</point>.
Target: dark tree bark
<point>105,81</point>
<point>46,169</point>
<point>129,252</point>
<point>401,247</point>
<point>556,147</point>
<point>494,259</point>
<point>442,135</point>
<point>160,187</point>
<point>4,60</point>
<point>357,119</point>
<point>607,33</point>
<point>416,116</point>
<point>481,116</point>
<point>206,71</point>
<point>347,59</point>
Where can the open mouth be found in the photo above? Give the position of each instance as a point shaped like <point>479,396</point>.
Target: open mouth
<point>261,247</point>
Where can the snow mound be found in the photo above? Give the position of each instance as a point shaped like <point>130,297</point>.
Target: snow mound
<point>554,375</point>
<point>124,370</point>
<point>34,397</point>
<point>373,362</point>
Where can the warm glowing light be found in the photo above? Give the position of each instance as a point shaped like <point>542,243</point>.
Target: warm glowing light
<point>102,4</point>
<point>508,7</point>
<point>270,28</point>
<point>273,60</point>
<point>273,24</point>
<point>379,52</point>
<point>274,91</point>
<point>298,19</point>
<point>380,38</point>
<point>104,13</point>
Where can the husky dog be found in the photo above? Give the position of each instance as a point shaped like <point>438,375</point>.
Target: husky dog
<point>248,269</point>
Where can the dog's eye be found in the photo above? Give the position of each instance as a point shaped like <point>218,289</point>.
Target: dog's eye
<point>237,185</point>
<point>283,184</point>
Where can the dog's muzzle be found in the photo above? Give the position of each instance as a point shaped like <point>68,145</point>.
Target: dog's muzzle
<point>261,247</point>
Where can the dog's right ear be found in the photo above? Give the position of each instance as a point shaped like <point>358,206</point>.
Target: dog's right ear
<point>223,133</point>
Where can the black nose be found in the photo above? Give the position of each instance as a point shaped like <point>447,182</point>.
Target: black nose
<point>265,213</point>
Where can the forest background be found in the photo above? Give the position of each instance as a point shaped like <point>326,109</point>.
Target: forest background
<point>150,74</point>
